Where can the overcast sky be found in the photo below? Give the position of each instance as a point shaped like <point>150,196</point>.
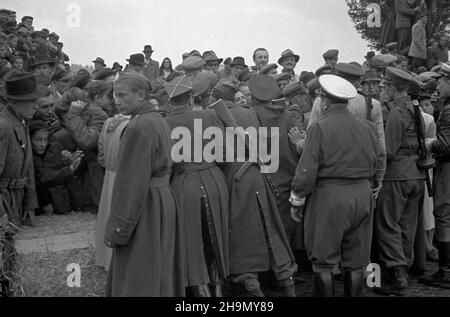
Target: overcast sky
<point>115,29</point>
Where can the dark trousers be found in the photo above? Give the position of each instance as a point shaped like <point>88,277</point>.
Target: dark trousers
<point>442,201</point>
<point>338,226</point>
<point>397,220</point>
<point>403,38</point>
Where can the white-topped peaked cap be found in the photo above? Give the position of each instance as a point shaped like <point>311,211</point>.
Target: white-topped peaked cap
<point>337,87</point>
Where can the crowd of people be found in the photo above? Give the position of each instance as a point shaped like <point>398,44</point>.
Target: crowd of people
<point>363,177</point>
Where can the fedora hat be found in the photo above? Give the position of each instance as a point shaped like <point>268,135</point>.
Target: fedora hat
<point>148,48</point>
<point>99,60</point>
<point>238,61</point>
<point>288,53</point>
<point>136,59</point>
<point>21,86</point>
<point>210,56</point>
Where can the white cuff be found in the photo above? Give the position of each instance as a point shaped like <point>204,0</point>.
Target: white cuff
<point>297,201</point>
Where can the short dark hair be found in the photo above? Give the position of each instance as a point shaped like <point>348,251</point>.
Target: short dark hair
<point>259,49</point>
<point>97,88</point>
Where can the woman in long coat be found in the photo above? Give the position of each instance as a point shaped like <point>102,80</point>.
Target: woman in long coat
<point>202,194</point>
<point>144,226</point>
<point>108,150</point>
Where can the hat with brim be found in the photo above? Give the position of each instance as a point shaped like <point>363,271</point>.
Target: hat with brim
<point>397,76</point>
<point>100,61</point>
<point>21,86</point>
<point>210,56</point>
<point>148,49</point>
<point>288,53</point>
<point>136,59</point>
<point>42,60</point>
<point>337,87</point>
<point>238,61</point>
<point>263,87</point>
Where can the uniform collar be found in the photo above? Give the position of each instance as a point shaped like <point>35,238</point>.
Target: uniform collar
<point>402,100</point>
<point>147,108</point>
<point>180,110</point>
<point>337,108</point>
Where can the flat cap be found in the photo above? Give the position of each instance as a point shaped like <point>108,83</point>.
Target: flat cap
<point>263,87</point>
<point>337,87</point>
<point>178,86</point>
<point>193,63</point>
<point>313,85</point>
<point>294,89</point>
<point>397,76</point>
<point>348,70</point>
<point>330,54</point>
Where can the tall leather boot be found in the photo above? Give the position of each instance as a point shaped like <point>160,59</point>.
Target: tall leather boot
<point>394,283</point>
<point>353,282</point>
<point>442,277</point>
<point>200,291</point>
<point>324,284</point>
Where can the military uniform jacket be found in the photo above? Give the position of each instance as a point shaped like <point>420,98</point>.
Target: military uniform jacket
<point>16,165</point>
<point>338,146</point>
<point>441,147</point>
<point>401,142</point>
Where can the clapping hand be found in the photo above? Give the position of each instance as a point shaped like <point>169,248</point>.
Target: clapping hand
<point>296,135</point>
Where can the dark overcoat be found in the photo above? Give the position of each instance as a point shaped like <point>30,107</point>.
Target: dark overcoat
<point>17,188</point>
<point>191,183</point>
<point>252,199</point>
<point>144,226</point>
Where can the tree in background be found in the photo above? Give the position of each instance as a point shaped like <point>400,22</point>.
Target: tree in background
<point>359,12</point>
